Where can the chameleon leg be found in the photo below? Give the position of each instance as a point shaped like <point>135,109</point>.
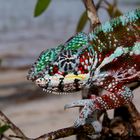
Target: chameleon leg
<point>104,102</point>
<point>114,100</point>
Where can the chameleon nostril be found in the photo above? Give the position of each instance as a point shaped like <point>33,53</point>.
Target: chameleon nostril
<point>37,81</point>
<point>41,82</point>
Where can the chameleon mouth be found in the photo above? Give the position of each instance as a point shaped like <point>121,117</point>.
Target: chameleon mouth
<point>48,91</point>
<point>59,84</point>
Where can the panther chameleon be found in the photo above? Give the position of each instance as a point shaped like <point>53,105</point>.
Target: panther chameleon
<point>108,57</point>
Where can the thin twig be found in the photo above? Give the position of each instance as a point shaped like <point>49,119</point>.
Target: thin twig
<point>13,127</point>
<point>91,13</point>
<point>65,132</point>
<point>6,137</point>
<point>19,137</point>
<point>62,133</point>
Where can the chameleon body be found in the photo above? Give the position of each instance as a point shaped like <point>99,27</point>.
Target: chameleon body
<point>108,57</point>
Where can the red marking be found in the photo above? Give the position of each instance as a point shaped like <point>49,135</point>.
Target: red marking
<point>81,68</point>
<point>55,69</point>
<point>81,59</point>
<point>109,102</point>
<point>120,98</point>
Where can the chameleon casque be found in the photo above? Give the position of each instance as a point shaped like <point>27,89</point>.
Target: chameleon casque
<point>108,57</point>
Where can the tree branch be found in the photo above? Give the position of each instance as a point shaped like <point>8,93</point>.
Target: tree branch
<point>65,132</point>
<point>91,13</point>
<point>12,126</point>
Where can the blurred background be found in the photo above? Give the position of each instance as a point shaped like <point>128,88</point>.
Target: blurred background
<point>22,38</point>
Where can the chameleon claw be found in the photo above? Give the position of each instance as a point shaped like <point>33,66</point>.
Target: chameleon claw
<point>67,106</point>
<point>79,103</point>
<point>79,122</point>
<point>88,108</point>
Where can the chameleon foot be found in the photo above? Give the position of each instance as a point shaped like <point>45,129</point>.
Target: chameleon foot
<point>78,103</point>
<point>89,106</point>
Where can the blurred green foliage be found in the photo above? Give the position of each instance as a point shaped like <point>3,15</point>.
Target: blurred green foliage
<point>82,22</point>
<point>113,12</point>
<point>41,6</point>
<point>111,8</point>
<point>3,128</point>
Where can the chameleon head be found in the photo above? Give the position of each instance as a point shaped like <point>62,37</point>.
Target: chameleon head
<point>68,69</point>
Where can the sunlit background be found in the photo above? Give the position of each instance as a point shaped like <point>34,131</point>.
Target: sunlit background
<point>22,38</point>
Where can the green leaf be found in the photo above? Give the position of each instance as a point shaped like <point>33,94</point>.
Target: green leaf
<point>3,129</point>
<point>113,11</point>
<point>40,7</point>
<point>82,22</point>
<point>117,13</point>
